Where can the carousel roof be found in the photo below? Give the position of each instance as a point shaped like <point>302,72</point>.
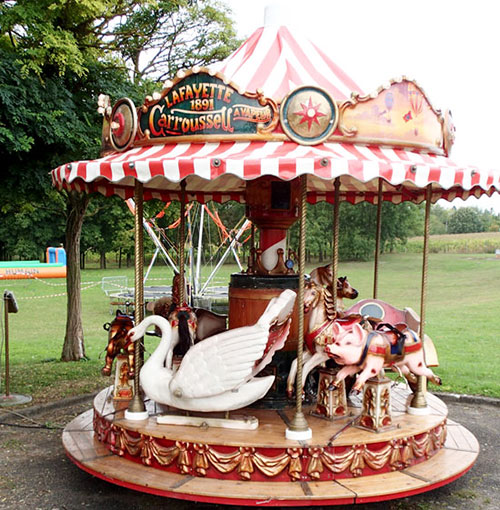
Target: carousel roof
<point>216,167</point>
<point>277,61</point>
<point>218,171</point>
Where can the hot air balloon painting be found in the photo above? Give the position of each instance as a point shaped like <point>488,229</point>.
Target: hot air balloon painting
<point>399,111</point>
<point>389,103</point>
<point>416,99</point>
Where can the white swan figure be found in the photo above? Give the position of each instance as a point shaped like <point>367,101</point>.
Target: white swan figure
<point>216,374</point>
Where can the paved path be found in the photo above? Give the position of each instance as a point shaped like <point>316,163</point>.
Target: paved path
<point>36,474</point>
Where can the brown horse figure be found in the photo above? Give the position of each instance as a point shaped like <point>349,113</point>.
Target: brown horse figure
<point>189,325</point>
<point>320,315</point>
<point>118,342</point>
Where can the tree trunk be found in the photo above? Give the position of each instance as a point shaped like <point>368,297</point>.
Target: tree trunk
<point>73,348</point>
<point>102,262</point>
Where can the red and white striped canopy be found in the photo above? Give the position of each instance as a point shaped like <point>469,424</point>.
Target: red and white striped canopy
<point>218,171</point>
<point>277,62</point>
<point>274,60</point>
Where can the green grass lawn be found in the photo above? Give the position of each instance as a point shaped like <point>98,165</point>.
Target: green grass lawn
<point>462,314</point>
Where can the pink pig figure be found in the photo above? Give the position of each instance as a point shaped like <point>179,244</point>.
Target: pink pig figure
<point>370,351</point>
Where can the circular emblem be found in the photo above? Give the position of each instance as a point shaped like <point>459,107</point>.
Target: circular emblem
<point>123,125</point>
<point>308,115</point>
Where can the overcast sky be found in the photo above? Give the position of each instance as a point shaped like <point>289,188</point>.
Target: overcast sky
<point>451,48</point>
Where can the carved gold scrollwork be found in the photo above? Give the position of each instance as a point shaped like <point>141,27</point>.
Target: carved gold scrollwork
<point>421,447</point>
<point>315,466</point>
<point>358,460</point>
<point>245,467</point>
<point>126,443</point>
<point>102,428</point>
<point>407,455</point>
<point>438,437</point>
<point>200,461</point>
<point>245,460</point>
<point>378,459</point>
<point>295,467</point>
<point>396,458</point>
<point>223,462</point>
<point>338,462</point>
<point>184,460</point>
<point>198,458</point>
<point>163,455</point>
<point>272,466</point>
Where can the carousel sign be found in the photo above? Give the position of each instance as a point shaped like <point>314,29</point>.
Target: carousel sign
<point>201,104</point>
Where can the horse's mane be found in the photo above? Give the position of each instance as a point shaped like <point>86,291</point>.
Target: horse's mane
<point>331,313</point>
<point>185,340</point>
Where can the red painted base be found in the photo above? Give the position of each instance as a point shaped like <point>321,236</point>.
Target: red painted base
<point>342,464</point>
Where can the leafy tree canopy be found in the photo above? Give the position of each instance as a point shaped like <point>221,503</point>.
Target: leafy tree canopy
<point>466,219</point>
<point>57,57</point>
<point>151,38</point>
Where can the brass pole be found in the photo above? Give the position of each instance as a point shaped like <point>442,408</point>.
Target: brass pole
<point>299,422</point>
<point>252,248</point>
<point>182,241</point>
<point>419,400</point>
<point>377,238</point>
<point>335,259</point>
<point>137,404</point>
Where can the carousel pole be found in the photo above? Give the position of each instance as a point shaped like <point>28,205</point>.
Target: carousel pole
<point>377,238</point>
<point>200,249</point>
<point>136,409</point>
<point>299,428</point>
<point>182,241</point>
<point>418,403</point>
<point>335,259</point>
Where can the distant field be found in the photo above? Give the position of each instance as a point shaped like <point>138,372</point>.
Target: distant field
<point>480,242</point>
<point>462,319</point>
<point>495,236</point>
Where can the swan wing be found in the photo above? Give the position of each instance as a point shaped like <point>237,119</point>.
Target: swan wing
<point>219,363</point>
<point>225,361</point>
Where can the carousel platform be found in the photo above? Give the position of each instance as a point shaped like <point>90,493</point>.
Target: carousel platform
<point>341,464</point>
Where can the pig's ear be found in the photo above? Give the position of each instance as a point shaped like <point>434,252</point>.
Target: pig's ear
<point>358,333</point>
<point>337,329</point>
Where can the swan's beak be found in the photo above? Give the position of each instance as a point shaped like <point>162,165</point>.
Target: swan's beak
<point>132,335</point>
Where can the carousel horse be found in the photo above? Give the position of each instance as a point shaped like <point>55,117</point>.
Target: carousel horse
<point>194,324</point>
<point>217,374</point>
<point>320,315</point>
<point>118,342</point>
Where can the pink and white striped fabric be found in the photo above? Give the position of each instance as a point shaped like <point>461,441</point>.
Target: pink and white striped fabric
<point>277,62</point>
<point>218,171</point>
<point>274,60</point>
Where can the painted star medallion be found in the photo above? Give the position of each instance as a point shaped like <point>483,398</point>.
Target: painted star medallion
<point>308,115</point>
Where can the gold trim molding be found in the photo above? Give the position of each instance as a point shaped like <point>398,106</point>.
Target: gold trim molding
<point>249,463</point>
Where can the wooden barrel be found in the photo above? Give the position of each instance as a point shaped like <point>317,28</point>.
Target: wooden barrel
<point>249,296</point>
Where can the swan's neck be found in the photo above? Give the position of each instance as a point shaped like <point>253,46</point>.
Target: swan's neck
<point>158,356</point>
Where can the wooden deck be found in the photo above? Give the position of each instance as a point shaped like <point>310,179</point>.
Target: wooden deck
<point>341,464</point>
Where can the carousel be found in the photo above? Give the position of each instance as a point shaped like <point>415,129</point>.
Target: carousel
<point>218,412</point>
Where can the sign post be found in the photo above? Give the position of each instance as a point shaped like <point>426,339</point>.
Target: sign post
<point>8,399</point>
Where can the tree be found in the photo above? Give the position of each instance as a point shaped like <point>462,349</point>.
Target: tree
<point>157,40</point>
<point>439,220</point>
<point>357,227</point>
<point>105,219</point>
<point>466,219</point>
<point>34,139</point>
<point>56,58</point>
